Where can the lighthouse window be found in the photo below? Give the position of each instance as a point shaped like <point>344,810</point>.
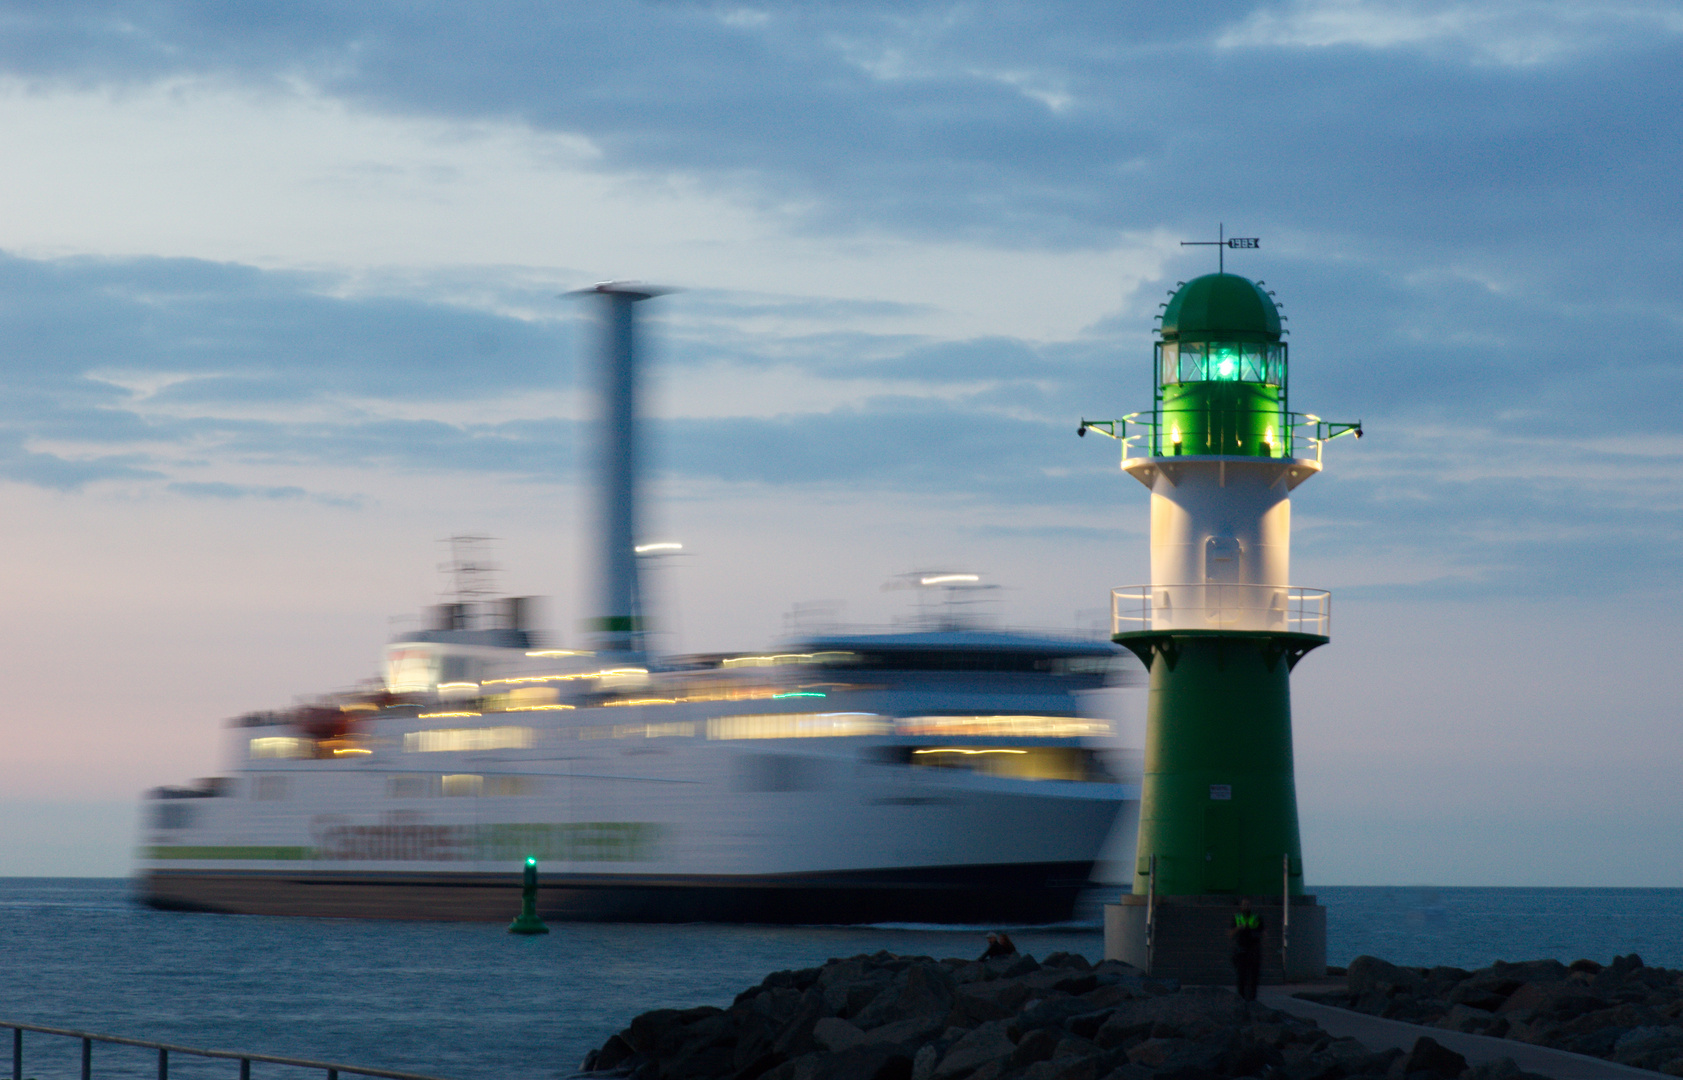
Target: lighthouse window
<point>1194,361</point>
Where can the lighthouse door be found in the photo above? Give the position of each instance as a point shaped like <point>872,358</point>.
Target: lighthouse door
<point>1222,560</point>
<point>1221,847</point>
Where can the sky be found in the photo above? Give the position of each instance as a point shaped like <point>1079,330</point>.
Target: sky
<point>280,311</point>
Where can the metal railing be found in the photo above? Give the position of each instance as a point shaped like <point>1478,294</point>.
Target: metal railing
<point>1138,434</point>
<point>166,1049</point>
<point>1215,606</point>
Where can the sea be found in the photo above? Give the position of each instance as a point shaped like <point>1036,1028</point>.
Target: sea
<point>469,1001</point>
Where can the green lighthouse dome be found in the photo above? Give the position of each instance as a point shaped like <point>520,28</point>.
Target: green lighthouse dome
<point>1224,307</point>
<point>1221,372</point>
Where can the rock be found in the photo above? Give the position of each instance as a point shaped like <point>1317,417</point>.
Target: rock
<point>1584,965</point>
<point>1110,995</point>
<point>1466,1018</point>
<point>986,1043</point>
<point>983,1001</point>
<point>1035,1046</point>
<point>925,990</point>
<point>1598,1043</point>
<point>1369,974</point>
<point>886,1017</point>
<point>1074,1046</point>
<point>1431,1056</point>
<point>1179,1057</point>
<point>795,1037</point>
<point>1647,1047</point>
<point>1440,979</point>
<point>1022,965</point>
<point>1624,965</point>
<point>1087,1025</point>
<point>1067,960</point>
<point>615,1052</point>
<point>833,1034</point>
<point>1483,992</point>
<point>1543,971</point>
<point>1559,1000</point>
<point>1153,1053</point>
<point>906,1033</point>
<point>848,999</point>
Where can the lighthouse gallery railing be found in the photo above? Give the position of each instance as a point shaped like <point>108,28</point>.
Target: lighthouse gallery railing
<point>1218,606</point>
<point>1144,434</point>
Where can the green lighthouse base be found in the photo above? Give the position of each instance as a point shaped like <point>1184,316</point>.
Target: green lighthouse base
<point>1218,805</point>
<point>1185,937</point>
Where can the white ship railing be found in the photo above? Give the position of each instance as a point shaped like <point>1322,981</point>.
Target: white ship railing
<point>1214,606</point>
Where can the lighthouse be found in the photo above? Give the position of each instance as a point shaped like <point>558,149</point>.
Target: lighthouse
<point>1220,627</point>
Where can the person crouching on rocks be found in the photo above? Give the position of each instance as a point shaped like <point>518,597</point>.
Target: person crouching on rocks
<point>1247,949</point>
<point>999,945</point>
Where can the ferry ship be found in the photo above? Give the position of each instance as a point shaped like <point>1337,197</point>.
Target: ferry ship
<point>946,773</point>
<point>923,776</point>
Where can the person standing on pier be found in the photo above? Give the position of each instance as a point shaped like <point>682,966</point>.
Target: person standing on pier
<point>1247,949</point>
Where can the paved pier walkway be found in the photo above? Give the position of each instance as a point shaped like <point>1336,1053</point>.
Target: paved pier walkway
<point>1378,1034</point>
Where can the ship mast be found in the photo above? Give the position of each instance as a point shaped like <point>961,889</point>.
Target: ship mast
<point>616,623</point>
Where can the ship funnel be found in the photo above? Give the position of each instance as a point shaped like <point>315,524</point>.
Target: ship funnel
<point>615,622</point>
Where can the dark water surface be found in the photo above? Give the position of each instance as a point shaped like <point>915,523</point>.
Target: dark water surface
<point>471,1001</point>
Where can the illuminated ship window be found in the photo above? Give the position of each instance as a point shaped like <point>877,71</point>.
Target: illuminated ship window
<point>466,785</point>
<point>1025,727</point>
<point>678,729</point>
<point>445,740</point>
<point>1073,763</point>
<point>797,726</point>
<point>411,671</point>
<point>282,746</point>
<point>784,659</point>
<point>511,785</point>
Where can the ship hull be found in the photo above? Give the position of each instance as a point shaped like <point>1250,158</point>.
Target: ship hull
<point>1028,893</point>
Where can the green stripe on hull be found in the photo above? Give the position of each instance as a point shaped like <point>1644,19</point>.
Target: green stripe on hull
<point>576,841</point>
<point>271,854</point>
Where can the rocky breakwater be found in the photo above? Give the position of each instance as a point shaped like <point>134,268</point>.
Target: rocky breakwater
<point>886,1017</point>
<point>1624,1012</point>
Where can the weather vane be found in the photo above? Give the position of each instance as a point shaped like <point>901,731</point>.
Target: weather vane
<point>1224,241</point>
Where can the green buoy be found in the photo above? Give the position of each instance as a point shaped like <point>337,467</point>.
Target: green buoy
<point>528,922</point>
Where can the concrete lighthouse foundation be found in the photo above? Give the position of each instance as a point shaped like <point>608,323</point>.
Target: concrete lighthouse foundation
<point>1185,937</point>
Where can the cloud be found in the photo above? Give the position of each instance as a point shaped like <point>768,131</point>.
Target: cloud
<point>1002,125</point>
<point>1504,33</point>
<point>62,473</point>
<point>218,490</point>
